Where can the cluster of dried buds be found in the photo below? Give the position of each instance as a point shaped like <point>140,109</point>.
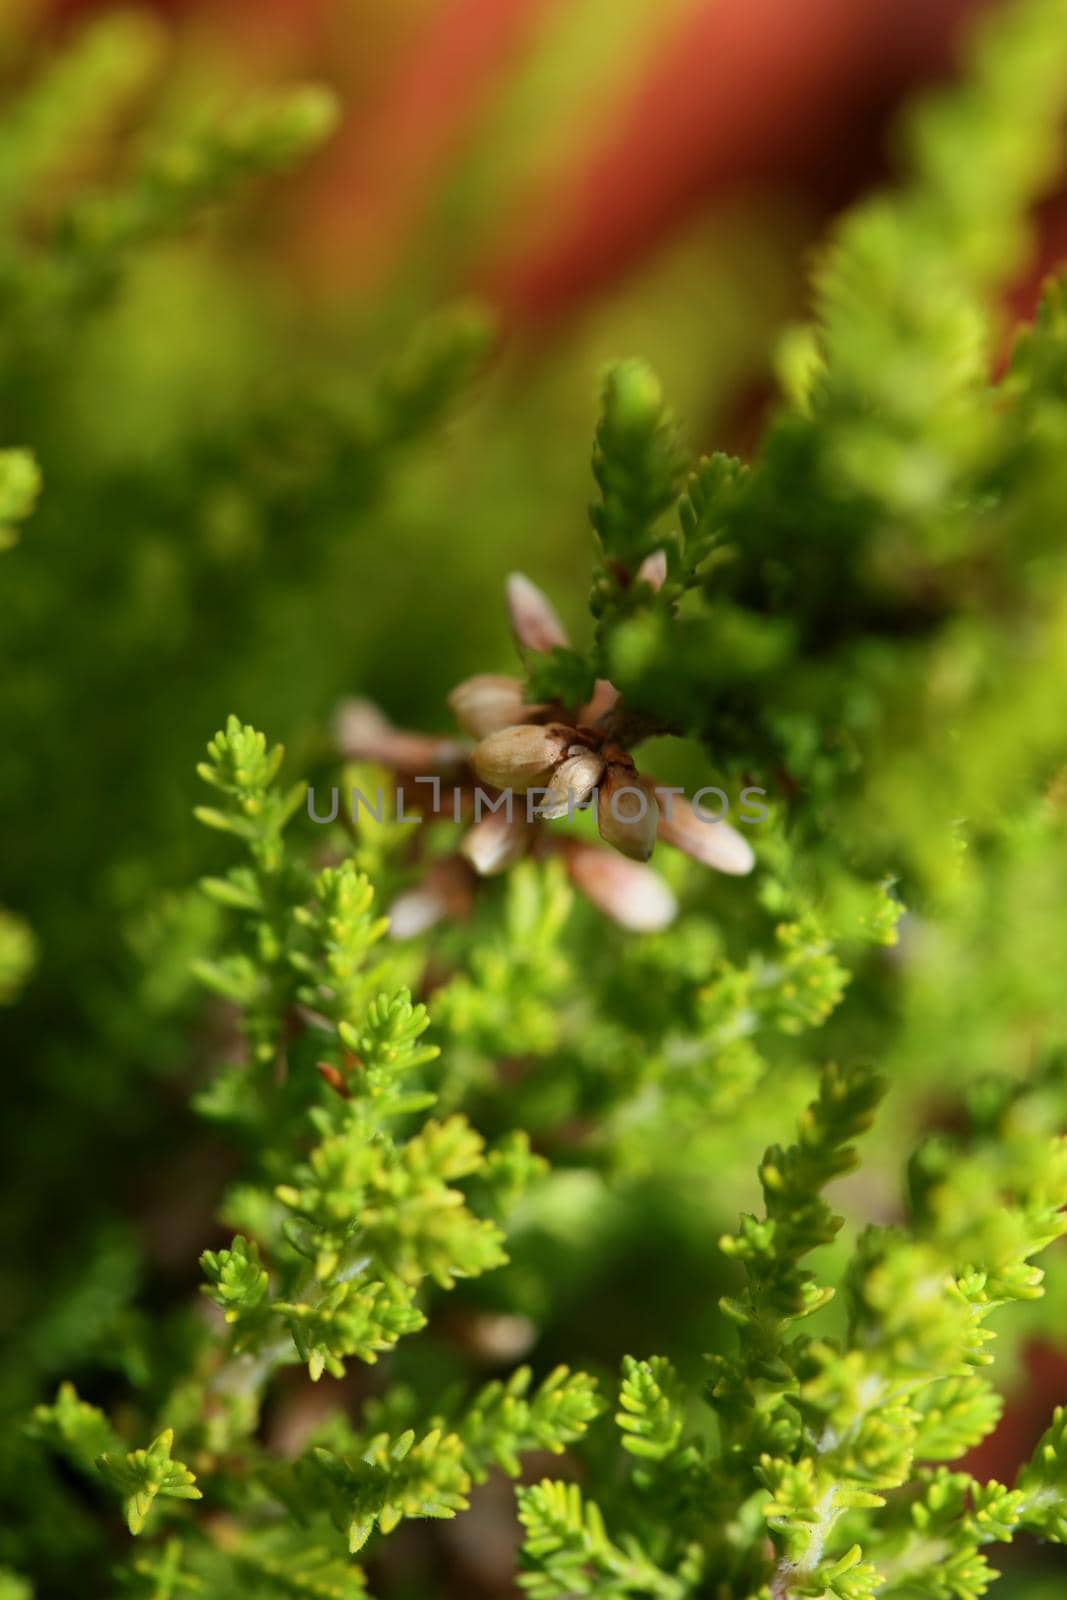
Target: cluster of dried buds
<point>558,761</point>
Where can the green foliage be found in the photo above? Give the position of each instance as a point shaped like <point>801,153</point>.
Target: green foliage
<point>471,1159</point>
<point>237,1282</point>
<point>17,952</point>
<point>372,1214</point>
<point>652,1402</point>
<point>1041,1486</point>
<point>283,1563</point>
<point>566,1537</point>
<point>376,1213</point>
<point>143,1475</point>
<point>798,1219</point>
<point>637,464</point>
<point>649,1036</point>
<point>817,1433</point>
<point>379,1480</point>
<point>80,1431</point>
<point>81,89</point>
<point>258,977</point>
<point>20,484</point>
<point>505,1419</point>
<point>393,1479</point>
<point>211,445</point>
<point>90,240</point>
<point>83,1434</point>
<point>889,471</point>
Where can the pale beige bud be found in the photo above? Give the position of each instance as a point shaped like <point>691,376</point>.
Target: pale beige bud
<point>632,895</point>
<point>627,812</point>
<point>444,893</point>
<point>533,617</point>
<point>362,733</point>
<point>522,757</point>
<point>713,844</point>
<point>487,703</point>
<point>416,911</point>
<point>605,699</point>
<point>572,783</point>
<point>498,1336</point>
<point>653,570</point>
<point>494,843</point>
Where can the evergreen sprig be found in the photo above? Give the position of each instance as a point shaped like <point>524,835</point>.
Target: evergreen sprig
<point>820,1435</point>
<point>506,1420</point>
<point>637,463</point>
<point>141,1476</point>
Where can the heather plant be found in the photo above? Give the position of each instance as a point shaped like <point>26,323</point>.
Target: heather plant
<point>487,1066</point>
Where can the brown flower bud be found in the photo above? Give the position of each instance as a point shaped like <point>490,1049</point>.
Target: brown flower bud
<point>486,703</point>
<point>533,617</point>
<point>497,841</point>
<point>632,895</point>
<point>521,757</point>
<point>713,844</point>
<point>628,812</point>
<point>572,783</point>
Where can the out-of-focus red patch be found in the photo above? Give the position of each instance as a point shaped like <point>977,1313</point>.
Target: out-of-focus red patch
<point>739,93</point>
<point>1025,1418</point>
<point>748,92</point>
<point>383,168</point>
<point>1051,257</point>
